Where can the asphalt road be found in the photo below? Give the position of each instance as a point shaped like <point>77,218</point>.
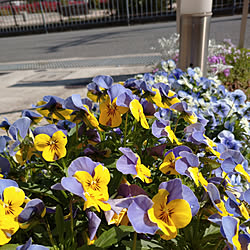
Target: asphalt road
<point>105,42</point>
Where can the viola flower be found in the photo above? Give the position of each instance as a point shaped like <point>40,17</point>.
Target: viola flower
<point>230,228</point>
<point>137,211</point>
<point>168,165</point>
<point>88,180</point>
<point>29,246</point>
<point>98,87</point>
<point>13,198</point>
<point>218,203</point>
<point>4,166</point>
<point>5,124</point>
<point>34,117</point>
<point>221,108</point>
<point>188,165</point>
<point>137,111</point>
<point>189,116</point>
<point>130,163</point>
<point>33,210</point>
<point>234,163</point>
<point>238,97</point>
<point>118,215</point>
<point>81,108</point>
<point>53,148</point>
<point>8,226</point>
<point>164,97</point>
<point>94,222</point>
<point>235,207</point>
<point>162,128</point>
<point>227,139</point>
<point>51,108</point>
<point>110,112</point>
<point>169,215</point>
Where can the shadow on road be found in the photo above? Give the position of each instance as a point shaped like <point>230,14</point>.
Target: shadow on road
<point>68,83</point>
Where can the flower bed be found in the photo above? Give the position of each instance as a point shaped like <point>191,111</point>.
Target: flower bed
<point>157,161</point>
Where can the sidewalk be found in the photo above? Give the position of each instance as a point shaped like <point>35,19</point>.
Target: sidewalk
<point>22,88</point>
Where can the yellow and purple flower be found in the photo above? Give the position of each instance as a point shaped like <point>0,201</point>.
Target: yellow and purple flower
<point>130,163</point>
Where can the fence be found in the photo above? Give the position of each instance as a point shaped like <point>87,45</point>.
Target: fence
<point>30,16</point>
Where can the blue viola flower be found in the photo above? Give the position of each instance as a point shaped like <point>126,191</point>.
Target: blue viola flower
<point>227,138</point>
<point>238,97</point>
<point>94,223</point>
<point>221,108</point>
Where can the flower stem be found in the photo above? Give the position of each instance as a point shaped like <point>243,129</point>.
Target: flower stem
<point>134,241</point>
<point>125,131</point>
<point>72,221</point>
<point>50,235</point>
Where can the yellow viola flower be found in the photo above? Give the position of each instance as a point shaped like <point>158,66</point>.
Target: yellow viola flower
<point>168,165</point>
<point>95,188</point>
<point>171,135</point>
<point>142,171</point>
<point>197,177</point>
<point>13,199</point>
<point>111,113</point>
<point>239,168</point>
<point>8,226</point>
<point>137,111</point>
<point>120,219</point>
<point>169,216</point>
<point>53,114</point>
<point>53,148</point>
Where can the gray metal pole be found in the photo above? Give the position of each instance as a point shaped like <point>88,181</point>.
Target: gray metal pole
<point>178,7</point>
<point>243,23</point>
<point>194,35</point>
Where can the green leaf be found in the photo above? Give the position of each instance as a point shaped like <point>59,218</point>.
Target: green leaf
<point>10,247</point>
<point>112,236</point>
<point>143,245</point>
<point>59,223</point>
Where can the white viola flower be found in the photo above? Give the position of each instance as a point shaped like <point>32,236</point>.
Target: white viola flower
<point>184,81</point>
<point>245,124</point>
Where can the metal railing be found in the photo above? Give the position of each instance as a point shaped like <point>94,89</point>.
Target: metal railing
<point>30,16</point>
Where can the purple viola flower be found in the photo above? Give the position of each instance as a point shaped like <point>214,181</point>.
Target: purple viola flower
<point>21,127</point>
<point>230,228</point>
<point>103,81</point>
<point>177,190</point>
<point>75,102</point>
<point>34,117</point>
<point>158,127</point>
<point>168,165</point>
<point>221,108</point>
<point>227,138</point>
<point>34,209</point>
<point>137,208</point>
<point>116,90</point>
<point>214,196</point>
<point>186,161</point>
<point>127,163</point>
<point>49,130</point>
<point>94,223</point>
<point>29,246</point>
<point>5,124</point>
<point>148,108</point>
<point>4,183</point>
<point>125,98</point>
<point>51,102</point>
<point>234,162</point>
<point>132,190</point>
<point>18,130</point>
<point>4,166</point>
<point>181,107</point>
